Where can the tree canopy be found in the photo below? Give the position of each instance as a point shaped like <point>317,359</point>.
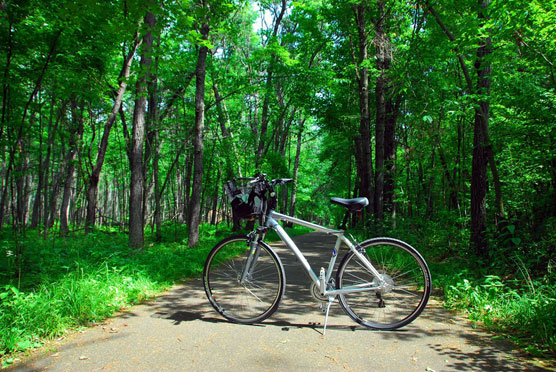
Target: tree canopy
<point>434,110</point>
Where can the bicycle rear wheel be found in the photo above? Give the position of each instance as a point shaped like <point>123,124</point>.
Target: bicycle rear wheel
<point>258,296</point>
<point>403,296</point>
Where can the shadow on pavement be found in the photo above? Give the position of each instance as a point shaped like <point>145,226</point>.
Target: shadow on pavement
<point>299,310</point>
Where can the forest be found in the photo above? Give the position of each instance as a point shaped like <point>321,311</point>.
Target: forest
<point>122,119</point>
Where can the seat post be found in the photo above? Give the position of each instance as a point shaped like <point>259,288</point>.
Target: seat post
<point>344,222</point>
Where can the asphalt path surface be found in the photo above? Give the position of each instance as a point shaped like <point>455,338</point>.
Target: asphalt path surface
<point>181,332</point>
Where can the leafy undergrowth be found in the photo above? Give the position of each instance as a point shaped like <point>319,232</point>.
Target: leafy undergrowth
<point>525,315</point>
<point>61,283</point>
<point>514,295</point>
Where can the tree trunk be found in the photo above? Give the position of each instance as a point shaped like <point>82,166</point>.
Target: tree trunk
<point>37,203</point>
<point>268,89</point>
<point>76,132</point>
<point>479,180</point>
<point>230,149</point>
<point>383,61</point>
<point>482,148</point>
<point>92,189</point>
<point>187,188</point>
<point>54,195</point>
<point>195,209</point>
<point>152,130</point>
<point>364,145</point>
<point>390,156</point>
<point>430,185</point>
<point>479,188</point>
<point>157,192</point>
<point>213,218</point>
<point>19,136</point>
<point>6,81</point>
<point>52,128</point>
<point>136,230</point>
<point>20,183</point>
<point>296,167</point>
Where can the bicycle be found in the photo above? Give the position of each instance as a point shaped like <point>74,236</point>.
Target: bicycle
<point>381,283</point>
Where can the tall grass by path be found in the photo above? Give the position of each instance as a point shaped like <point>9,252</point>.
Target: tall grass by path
<point>62,283</point>
<point>59,284</point>
<point>514,295</point>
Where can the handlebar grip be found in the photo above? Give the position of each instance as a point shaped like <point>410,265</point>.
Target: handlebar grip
<point>282,181</point>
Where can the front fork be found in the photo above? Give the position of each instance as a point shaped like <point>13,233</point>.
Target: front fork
<point>254,238</point>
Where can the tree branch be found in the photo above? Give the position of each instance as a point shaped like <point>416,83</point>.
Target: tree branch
<point>452,38</point>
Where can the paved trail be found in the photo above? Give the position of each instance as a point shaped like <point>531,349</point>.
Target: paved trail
<point>181,332</point>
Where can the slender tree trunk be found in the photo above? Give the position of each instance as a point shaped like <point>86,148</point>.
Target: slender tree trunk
<point>187,188</point>
<point>20,178</point>
<point>452,195</point>
<point>379,149</point>
<point>92,188</point>
<point>179,196</point>
<point>383,108</point>
<point>215,198</point>
<point>19,136</point>
<point>157,192</point>
<point>136,230</point>
<point>407,180</point>
<point>364,145</point>
<point>264,120</point>
<point>195,209</point>
<point>76,132</point>
<point>483,154</point>
<point>430,184</point>
<point>54,196</point>
<point>268,89</point>
<point>37,203</point>
<point>390,156</point>
<point>152,130</point>
<point>230,149</point>
<point>296,167</point>
<point>480,151</point>
<point>6,81</point>
<point>552,147</point>
<point>52,129</point>
<point>500,212</point>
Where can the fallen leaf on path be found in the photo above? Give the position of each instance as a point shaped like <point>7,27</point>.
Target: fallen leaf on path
<point>331,358</point>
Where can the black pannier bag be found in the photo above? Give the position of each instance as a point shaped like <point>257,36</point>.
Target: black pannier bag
<point>246,199</point>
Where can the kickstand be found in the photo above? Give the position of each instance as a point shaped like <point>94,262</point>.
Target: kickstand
<point>330,301</point>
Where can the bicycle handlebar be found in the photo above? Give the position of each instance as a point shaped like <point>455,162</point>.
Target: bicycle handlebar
<point>261,178</point>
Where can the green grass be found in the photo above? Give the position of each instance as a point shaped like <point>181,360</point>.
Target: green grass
<point>514,295</point>
<point>62,283</point>
<point>525,315</point>
<point>69,282</point>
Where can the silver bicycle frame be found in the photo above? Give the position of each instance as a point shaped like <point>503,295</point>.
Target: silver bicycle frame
<point>271,221</point>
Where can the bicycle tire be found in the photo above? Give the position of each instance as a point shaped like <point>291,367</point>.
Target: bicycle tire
<point>259,296</point>
<point>404,296</point>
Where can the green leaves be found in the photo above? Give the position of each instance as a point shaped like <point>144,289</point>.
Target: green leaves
<point>196,38</point>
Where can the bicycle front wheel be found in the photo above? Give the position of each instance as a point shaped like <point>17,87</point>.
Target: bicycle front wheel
<point>402,296</point>
<point>252,300</point>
